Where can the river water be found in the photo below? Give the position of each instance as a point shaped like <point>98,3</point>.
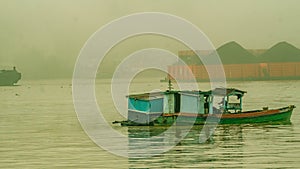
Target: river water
<point>39,129</point>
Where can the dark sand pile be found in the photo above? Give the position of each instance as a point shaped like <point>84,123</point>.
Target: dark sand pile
<point>281,52</point>
<point>233,53</point>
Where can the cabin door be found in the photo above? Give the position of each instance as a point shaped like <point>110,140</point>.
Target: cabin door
<point>177,102</point>
<point>169,104</point>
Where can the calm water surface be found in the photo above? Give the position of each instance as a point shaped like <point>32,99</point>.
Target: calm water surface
<point>39,129</point>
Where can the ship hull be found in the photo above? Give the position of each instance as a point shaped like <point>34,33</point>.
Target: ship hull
<point>9,77</point>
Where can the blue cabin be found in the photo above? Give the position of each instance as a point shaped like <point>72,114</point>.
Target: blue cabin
<point>147,107</point>
<point>142,108</point>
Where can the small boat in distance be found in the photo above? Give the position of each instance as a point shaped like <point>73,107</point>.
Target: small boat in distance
<point>9,77</point>
<point>164,108</point>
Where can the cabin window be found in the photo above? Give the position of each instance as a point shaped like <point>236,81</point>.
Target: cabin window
<point>218,103</point>
<point>234,103</point>
<point>234,99</point>
<point>207,103</point>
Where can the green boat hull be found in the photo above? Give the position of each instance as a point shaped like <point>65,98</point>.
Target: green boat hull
<point>280,116</point>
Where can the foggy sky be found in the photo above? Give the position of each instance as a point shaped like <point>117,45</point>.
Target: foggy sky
<point>43,37</point>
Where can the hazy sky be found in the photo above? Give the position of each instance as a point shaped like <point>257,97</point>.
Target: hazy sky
<point>43,37</point>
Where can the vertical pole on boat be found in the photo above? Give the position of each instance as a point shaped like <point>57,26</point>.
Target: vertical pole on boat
<point>170,86</point>
<point>241,102</point>
<point>170,98</point>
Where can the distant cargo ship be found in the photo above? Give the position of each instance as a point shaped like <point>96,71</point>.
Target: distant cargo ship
<point>9,77</point>
<point>280,62</point>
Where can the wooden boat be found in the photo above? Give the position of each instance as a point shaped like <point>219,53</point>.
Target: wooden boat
<point>186,107</point>
<point>280,116</point>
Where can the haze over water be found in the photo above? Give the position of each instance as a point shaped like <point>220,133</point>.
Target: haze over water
<point>38,124</point>
<point>43,38</point>
<point>39,129</point>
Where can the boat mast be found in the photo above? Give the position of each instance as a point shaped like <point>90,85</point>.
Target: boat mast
<point>170,86</point>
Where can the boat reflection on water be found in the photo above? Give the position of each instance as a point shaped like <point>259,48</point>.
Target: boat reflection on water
<point>230,145</point>
<point>161,136</point>
<point>147,141</point>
